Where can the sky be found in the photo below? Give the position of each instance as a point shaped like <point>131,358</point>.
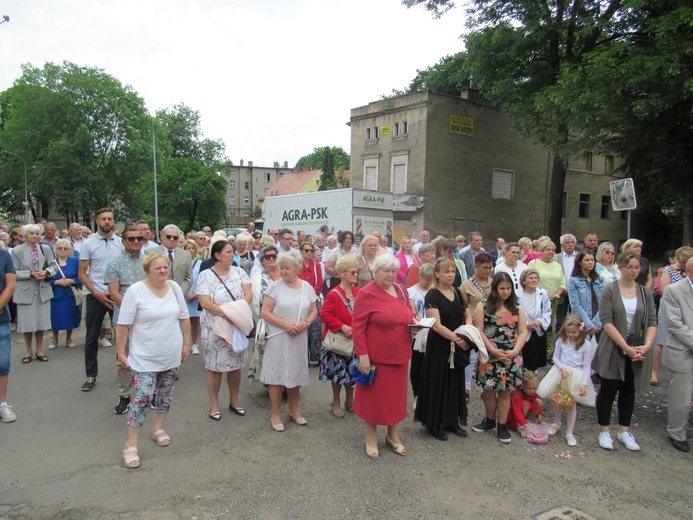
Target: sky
<point>272,78</point>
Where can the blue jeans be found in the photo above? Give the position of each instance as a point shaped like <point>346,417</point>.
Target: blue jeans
<point>5,347</point>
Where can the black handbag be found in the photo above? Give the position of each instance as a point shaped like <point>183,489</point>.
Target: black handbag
<point>251,334</point>
<point>636,340</point>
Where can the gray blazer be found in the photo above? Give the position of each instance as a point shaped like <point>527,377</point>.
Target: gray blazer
<point>24,289</point>
<point>182,272</point>
<point>468,260</point>
<point>677,303</point>
<point>609,361</point>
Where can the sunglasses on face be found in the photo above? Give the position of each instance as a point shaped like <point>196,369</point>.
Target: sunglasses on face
<point>134,239</point>
<point>352,273</point>
<point>308,250</point>
<point>172,237</point>
<point>269,257</point>
<point>63,248</point>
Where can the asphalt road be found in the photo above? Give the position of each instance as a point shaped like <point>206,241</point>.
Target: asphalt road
<point>61,459</point>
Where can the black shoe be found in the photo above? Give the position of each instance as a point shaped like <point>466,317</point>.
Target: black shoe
<point>485,425</point>
<point>439,434</point>
<point>89,384</point>
<point>503,434</point>
<point>460,432</point>
<point>122,406</point>
<point>238,411</point>
<point>680,445</point>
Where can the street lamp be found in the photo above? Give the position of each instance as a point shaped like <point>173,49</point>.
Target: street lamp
<point>156,191</point>
<point>26,188</point>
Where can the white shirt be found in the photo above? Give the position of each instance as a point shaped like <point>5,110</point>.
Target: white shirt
<point>155,336</point>
<point>417,246</point>
<point>568,264</point>
<point>631,305</point>
<point>100,252</point>
<point>514,274</point>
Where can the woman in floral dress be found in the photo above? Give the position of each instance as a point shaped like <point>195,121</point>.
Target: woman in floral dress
<point>502,324</point>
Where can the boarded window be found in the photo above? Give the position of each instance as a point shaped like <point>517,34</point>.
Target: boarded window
<point>399,178</point>
<point>370,178</point>
<point>503,184</point>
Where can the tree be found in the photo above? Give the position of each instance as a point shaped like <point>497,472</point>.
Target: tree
<point>518,50</point>
<point>79,137</point>
<point>315,160</point>
<point>328,181</point>
<point>450,75</point>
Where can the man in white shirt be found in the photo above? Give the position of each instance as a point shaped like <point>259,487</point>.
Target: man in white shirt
<point>96,253</point>
<point>144,228</point>
<point>567,260</point>
<point>285,239</point>
<point>424,238</point>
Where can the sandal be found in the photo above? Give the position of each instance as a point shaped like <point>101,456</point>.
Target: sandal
<point>336,409</point>
<point>298,419</point>
<point>349,406</point>
<point>26,359</point>
<point>161,437</point>
<point>42,358</point>
<point>397,447</point>
<point>131,458</point>
<point>372,452</point>
<point>654,381</point>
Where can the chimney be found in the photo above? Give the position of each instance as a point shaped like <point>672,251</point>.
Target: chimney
<point>470,94</point>
<point>286,164</point>
<point>250,164</point>
<point>276,164</point>
<point>241,162</point>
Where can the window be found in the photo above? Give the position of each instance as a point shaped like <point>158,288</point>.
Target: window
<point>232,185</point>
<point>606,203</point>
<point>232,213</point>
<point>368,134</point>
<point>246,214</point>
<point>609,164</point>
<point>376,132</point>
<point>564,206</point>
<point>232,201</point>
<point>370,174</point>
<point>587,159</point>
<point>396,129</point>
<point>247,185</point>
<point>398,183</point>
<point>584,207</point>
<point>503,184</point>
<point>405,128</point>
<point>246,201</point>
<point>267,177</point>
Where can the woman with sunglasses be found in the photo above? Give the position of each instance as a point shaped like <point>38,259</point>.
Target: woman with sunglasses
<point>311,272</point>
<point>64,311</point>
<point>369,251</point>
<point>606,263</point>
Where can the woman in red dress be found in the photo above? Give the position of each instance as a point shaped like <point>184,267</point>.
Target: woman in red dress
<point>381,333</point>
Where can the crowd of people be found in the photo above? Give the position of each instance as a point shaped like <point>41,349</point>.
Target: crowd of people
<point>437,314</point>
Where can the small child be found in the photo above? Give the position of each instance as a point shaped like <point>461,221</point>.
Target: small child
<point>572,358</point>
<point>525,404</point>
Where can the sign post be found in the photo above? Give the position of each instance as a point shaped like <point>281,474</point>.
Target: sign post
<point>623,198</point>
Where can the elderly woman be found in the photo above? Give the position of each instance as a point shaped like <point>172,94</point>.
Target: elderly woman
<point>623,359</point>
<point>551,277</point>
<point>289,310</point>
<point>35,265</point>
<point>154,319</point>
<point>336,314</point>
<point>191,298</point>
<point>427,255</point>
<point>606,266</point>
<point>441,403</point>
<point>244,258</point>
<point>503,327</point>
<point>406,257</point>
<point>645,276</point>
<point>222,283</point>
<point>670,274</point>
<point>262,278</point>
<point>311,272</point>
<point>511,264</point>
<point>368,252</point>
<point>382,316</point>
<point>537,306</point>
<point>585,288</point>
<point>64,312</point>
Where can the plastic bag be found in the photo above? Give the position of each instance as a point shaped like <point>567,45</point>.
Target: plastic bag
<point>534,434</point>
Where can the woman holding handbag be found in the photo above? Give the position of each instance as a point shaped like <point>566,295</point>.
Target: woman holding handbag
<point>216,286</point>
<point>65,313</point>
<point>336,314</point>
<point>623,359</point>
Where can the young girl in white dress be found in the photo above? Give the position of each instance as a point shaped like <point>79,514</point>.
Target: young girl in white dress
<point>572,358</point>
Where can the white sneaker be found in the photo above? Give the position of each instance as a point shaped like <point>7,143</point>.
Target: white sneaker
<point>570,439</point>
<point>553,429</point>
<point>7,415</point>
<point>627,439</point>
<point>605,441</point>
<point>195,350</point>
<point>414,407</point>
<point>105,343</point>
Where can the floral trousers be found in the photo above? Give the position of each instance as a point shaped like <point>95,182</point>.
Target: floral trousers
<point>151,388</point>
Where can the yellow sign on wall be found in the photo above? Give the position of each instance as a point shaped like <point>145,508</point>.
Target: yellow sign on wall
<point>460,125</point>
<point>385,130</point>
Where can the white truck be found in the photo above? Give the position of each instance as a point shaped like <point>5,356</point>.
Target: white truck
<point>349,209</point>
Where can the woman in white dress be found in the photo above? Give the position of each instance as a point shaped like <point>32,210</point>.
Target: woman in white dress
<point>216,286</point>
<point>289,309</point>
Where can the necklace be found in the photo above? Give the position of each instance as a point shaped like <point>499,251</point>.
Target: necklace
<point>628,291</point>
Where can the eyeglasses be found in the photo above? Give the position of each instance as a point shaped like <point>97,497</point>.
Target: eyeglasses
<point>63,248</point>
<point>269,257</point>
<point>134,239</point>
<point>607,252</point>
<point>308,250</point>
<point>353,273</point>
<point>172,237</point>
<point>632,267</point>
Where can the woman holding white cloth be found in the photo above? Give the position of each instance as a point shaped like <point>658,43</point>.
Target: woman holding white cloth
<point>535,301</point>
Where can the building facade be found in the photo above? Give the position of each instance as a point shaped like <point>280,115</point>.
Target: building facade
<point>455,165</point>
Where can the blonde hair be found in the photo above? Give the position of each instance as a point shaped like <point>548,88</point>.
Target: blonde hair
<point>573,320</point>
<point>529,377</point>
<point>151,257</point>
<point>631,242</point>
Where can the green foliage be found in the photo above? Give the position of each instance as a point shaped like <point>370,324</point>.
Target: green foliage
<point>328,180</point>
<point>316,160</point>
<point>449,76</point>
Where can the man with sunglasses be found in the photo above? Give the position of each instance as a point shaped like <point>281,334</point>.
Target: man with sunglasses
<point>96,253</point>
<point>121,273</point>
<point>181,261</point>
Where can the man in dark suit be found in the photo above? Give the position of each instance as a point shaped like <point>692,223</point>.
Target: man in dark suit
<point>475,242</point>
<point>497,252</point>
<point>677,303</point>
<point>181,261</point>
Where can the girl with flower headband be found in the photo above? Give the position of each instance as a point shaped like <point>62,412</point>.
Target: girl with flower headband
<point>572,358</point>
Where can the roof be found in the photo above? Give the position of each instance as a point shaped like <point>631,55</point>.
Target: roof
<point>292,183</point>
